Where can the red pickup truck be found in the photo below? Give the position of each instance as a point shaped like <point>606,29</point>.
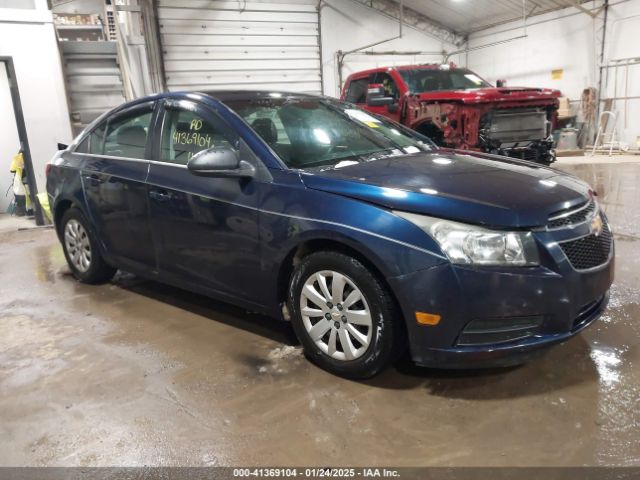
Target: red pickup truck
<point>458,109</point>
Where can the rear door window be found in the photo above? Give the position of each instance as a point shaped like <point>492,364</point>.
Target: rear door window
<point>127,133</point>
<point>94,141</point>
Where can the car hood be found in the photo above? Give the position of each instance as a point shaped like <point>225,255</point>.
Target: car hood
<point>473,188</point>
<point>484,95</point>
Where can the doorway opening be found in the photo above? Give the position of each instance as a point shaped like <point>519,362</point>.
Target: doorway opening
<point>14,137</point>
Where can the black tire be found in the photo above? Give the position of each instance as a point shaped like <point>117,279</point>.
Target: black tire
<point>388,333</point>
<point>98,270</point>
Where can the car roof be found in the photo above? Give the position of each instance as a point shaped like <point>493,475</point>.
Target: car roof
<point>219,95</point>
<point>230,95</point>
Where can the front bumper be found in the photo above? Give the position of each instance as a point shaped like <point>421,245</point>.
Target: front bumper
<point>503,355</point>
<point>461,294</point>
<point>539,151</point>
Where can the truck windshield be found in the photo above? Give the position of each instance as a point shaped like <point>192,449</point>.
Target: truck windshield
<point>308,132</point>
<point>436,79</point>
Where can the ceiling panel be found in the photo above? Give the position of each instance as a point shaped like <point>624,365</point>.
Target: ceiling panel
<point>466,16</point>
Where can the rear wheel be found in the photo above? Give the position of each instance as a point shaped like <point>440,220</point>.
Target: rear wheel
<point>344,316</point>
<point>81,249</point>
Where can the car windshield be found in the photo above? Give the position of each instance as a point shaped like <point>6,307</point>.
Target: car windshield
<point>308,132</point>
<point>436,79</point>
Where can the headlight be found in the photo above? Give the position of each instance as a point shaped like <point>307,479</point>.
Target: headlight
<point>470,244</point>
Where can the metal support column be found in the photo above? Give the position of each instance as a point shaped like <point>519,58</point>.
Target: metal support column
<point>151,32</point>
<point>604,7</point>
<point>24,141</point>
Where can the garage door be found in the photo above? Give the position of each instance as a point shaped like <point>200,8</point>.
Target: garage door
<point>94,83</point>
<point>211,44</point>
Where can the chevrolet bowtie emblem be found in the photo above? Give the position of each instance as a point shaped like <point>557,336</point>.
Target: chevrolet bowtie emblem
<point>596,225</point>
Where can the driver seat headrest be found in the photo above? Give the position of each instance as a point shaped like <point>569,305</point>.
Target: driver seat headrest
<point>266,129</point>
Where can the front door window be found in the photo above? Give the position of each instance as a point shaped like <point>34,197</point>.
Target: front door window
<point>357,92</point>
<point>186,133</point>
<point>387,82</point>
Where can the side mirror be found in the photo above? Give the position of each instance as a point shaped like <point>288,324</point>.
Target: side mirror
<point>393,108</point>
<point>501,83</point>
<point>376,96</point>
<point>220,162</point>
<point>380,101</point>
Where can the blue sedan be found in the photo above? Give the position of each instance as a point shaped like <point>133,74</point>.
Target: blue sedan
<point>362,233</point>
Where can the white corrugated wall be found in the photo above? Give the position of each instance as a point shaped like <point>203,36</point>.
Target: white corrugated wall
<point>216,44</point>
<point>93,78</point>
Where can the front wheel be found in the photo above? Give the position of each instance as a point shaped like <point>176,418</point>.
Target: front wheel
<point>343,315</point>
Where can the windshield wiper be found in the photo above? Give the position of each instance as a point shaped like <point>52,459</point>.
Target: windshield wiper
<point>357,157</point>
<point>331,162</point>
<point>367,157</point>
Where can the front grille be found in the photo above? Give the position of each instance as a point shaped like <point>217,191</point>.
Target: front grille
<point>590,251</point>
<point>573,216</point>
<point>529,154</point>
<point>517,125</point>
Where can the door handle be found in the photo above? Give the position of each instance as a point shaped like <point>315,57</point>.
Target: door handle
<point>160,195</point>
<point>94,179</point>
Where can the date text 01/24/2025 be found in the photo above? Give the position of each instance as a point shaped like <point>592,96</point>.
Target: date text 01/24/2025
<point>316,472</point>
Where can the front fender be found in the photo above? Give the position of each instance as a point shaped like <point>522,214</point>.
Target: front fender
<point>292,215</point>
<point>333,237</point>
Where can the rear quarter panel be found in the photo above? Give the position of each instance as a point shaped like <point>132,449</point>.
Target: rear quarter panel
<point>64,183</point>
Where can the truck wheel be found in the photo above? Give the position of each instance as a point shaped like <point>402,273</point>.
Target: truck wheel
<point>345,318</point>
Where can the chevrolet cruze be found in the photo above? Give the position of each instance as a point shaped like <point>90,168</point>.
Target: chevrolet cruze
<point>362,233</point>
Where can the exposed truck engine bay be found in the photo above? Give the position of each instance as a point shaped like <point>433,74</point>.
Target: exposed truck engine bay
<point>518,131</point>
<point>456,108</point>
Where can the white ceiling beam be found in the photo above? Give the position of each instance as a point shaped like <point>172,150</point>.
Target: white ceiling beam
<point>416,20</point>
<point>591,13</point>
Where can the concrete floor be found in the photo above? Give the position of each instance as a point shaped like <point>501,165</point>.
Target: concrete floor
<point>137,373</point>
<point>598,158</point>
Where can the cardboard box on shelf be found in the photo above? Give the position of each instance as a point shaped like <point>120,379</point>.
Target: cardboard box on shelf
<point>564,111</point>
